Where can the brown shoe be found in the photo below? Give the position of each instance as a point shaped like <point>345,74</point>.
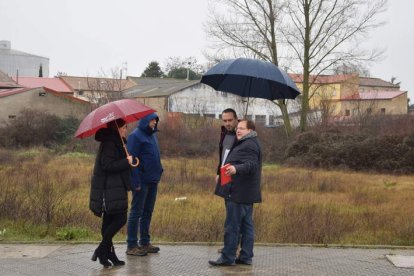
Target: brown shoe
<point>150,248</point>
<point>136,251</point>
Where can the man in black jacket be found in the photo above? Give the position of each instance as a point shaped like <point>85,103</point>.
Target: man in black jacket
<point>241,193</point>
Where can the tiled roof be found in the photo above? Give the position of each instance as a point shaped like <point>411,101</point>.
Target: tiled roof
<point>322,79</point>
<point>157,87</point>
<point>55,84</point>
<point>98,84</point>
<point>375,95</point>
<point>376,82</point>
<point>9,92</point>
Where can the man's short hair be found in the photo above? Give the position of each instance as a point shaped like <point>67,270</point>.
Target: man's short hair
<point>230,110</point>
<point>249,124</point>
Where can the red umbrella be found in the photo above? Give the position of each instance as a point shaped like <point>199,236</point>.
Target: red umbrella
<point>127,109</point>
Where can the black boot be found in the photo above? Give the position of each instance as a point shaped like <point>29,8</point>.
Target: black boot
<point>113,258</point>
<point>101,253</point>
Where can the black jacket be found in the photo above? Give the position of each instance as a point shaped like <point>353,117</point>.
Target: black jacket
<point>244,188</point>
<point>111,175</point>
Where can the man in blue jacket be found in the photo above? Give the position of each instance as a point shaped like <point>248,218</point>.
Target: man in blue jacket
<point>143,143</point>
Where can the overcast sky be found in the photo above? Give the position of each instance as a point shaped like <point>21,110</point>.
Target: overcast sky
<point>82,36</point>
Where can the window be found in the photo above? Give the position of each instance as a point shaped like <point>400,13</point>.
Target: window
<point>347,112</point>
<point>383,110</point>
<point>42,94</point>
<point>249,117</point>
<point>12,117</point>
<point>260,119</point>
<point>271,120</point>
<point>80,92</point>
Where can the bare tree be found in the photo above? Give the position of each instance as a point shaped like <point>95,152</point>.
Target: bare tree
<point>314,36</point>
<point>323,33</point>
<point>105,89</point>
<point>250,29</point>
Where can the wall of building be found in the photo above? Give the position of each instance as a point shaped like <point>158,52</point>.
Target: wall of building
<point>395,106</point>
<point>28,65</point>
<point>204,100</point>
<point>40,100</point>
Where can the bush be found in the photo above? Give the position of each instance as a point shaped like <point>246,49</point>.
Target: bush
<point>355,151</point>
<point>37,128</point>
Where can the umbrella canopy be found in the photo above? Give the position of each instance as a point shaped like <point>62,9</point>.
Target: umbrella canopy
<point>251,78</point>
<point>127,109</point>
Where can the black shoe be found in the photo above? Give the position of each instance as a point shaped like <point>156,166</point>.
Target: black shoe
<point>101,253</point>
<point>220,262</point>
<point>238,261</point>
<point>113,258</point>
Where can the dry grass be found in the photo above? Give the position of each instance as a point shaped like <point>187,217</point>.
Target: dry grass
<point>49,194</point>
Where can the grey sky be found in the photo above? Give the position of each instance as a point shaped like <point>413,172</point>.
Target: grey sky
<point>82,36</point>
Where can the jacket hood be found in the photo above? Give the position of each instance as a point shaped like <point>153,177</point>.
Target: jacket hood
<point>144,123</point>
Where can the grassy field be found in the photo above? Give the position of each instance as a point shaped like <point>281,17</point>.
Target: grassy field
<point>45,197</point>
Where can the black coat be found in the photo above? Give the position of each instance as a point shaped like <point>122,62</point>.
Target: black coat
<point>111,175</point>
<point>244,188</point>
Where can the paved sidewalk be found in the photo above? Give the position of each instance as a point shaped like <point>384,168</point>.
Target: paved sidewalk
<point>70,259</point>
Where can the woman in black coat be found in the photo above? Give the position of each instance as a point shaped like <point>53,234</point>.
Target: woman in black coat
<point>110,183</point>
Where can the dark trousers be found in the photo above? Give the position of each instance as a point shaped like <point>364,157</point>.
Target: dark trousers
<point>238,226</point>
<point>142,206</point>
<point>111,224</point>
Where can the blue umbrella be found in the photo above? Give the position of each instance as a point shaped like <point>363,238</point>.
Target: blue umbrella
<point>251,78</point>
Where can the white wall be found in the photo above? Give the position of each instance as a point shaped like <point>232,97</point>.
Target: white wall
<point>204,100</point>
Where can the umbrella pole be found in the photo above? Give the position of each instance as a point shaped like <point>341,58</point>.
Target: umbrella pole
<point>126,150</point>
<point>247,107</point>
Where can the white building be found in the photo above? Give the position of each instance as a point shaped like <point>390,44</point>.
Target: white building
<point>14,62</point>
<point>193,97</point>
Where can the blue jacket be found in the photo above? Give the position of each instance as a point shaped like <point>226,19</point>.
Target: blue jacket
<point>143,143</point>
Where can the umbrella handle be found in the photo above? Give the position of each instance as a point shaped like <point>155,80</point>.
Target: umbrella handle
<point>136,164</point>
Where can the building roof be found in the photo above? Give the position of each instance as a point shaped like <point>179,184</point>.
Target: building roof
<point>374,95</point>
<point>9,92</point>
<point>6,81</point>
<point>18,53</point>
<point>376,82</point>
<point>12,91</point>
<point>96,84</point>
<point>323,79</point>
<point>157,87</point>
<point>55,84</point>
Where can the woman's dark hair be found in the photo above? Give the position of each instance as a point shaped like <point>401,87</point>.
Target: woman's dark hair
<point>118,123</point>
<point>249,124</point>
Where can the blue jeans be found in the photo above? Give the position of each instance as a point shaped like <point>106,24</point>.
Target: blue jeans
<point>238,225</point>
<point>142,206</point>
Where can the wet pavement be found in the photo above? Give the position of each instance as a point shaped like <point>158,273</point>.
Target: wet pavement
<point>184,259</point>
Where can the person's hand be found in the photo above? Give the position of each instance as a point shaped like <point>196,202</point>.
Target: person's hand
<point>129,158</point>
<point>217,179</point>
<point>231,170</point>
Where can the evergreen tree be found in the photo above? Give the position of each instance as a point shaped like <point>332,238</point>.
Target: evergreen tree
<point>153,70</point>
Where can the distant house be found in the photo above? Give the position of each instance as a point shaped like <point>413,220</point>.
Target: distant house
<point>193,97</point>
<point>96,90</point>
<point>346,96</point>
<point>18,63</point>
<point>55,84</point>
<point>14,100</point>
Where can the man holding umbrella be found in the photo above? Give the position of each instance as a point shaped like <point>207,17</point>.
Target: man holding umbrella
<point>143,143</point>
<point>245,165</point>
